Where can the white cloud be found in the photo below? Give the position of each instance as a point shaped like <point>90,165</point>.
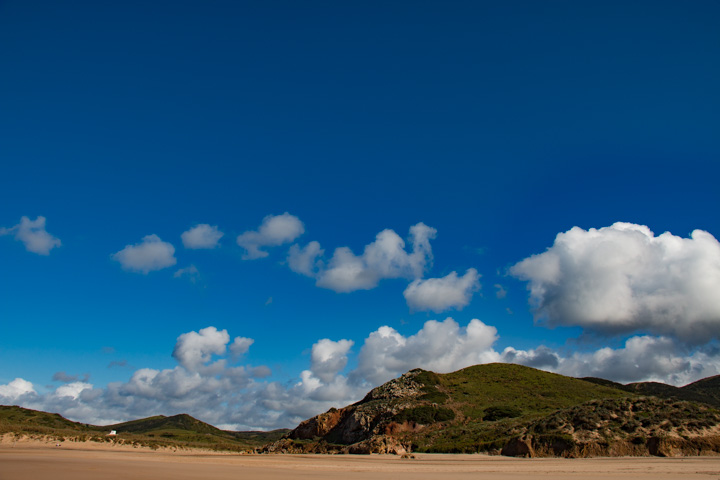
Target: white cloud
<point>202,236</point>
<point>240,346</point>
<point>440,294</point>
<point>500,291</point>
<point>347,273</point>
<point>384,258</point>
<point>305,260</point>
<point>194,349</point>
<point>328,358</point>
<point>623,279</point>
<point>643,358</point>
<point>438,346</point>
<point>16,389</point>
<point>33,235</point>
<point>273,231</point>
<point>149,255</point>
<point>72,390</point>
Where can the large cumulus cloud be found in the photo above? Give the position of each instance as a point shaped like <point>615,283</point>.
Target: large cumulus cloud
<point>623,279</point>
<point>439,346</point>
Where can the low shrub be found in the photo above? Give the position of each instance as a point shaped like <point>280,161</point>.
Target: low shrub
<point>425,415</point>
<point>492,414</point>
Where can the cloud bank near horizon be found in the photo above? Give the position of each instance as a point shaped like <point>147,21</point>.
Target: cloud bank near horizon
<point>208,385</point>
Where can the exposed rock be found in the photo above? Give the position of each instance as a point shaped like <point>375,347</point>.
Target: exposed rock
<point>404,387</point>
<point>378,444</point>
<point>369,418</point>
<point>318,426</point>
<point>676,446</point>
<point>518,447</point>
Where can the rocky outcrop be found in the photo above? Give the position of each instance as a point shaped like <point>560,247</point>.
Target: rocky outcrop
<point>405,387</point>
<point>318,426</point>
<point>557,446</point>
<point>367,426</point>
<point>518,447</point>
<point>375,444</point>
<point>680,447</point>
<point>379,444</point>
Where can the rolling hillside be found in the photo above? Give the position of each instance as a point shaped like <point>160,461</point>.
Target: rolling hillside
<point>509,409</point>
<point>181,431</point>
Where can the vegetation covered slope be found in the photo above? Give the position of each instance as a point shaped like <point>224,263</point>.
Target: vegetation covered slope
<point>20,420</point>
<point>160,431</point>
<point>186,430</point>
<point>501,408</point>
<point>706,390</point>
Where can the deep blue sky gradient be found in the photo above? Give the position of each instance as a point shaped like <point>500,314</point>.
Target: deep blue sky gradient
<point>498,123</point>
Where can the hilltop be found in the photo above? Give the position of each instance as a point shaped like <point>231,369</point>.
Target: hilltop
<point>191,431</point>
<point>705,391</point>
<point>513,410</point>
<point>175,431</point>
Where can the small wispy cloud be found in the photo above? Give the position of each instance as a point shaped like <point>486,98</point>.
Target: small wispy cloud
<point>33,235</point>
<point>191,273</point>
<point>149,255</point>
<point>274,230</point>
<point>65,378</point>
<point>202,236</point>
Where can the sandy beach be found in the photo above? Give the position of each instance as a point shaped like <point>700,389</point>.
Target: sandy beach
<point>79,461</point>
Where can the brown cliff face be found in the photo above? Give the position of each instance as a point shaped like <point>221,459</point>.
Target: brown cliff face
<point>364,420</point>
<point>318,426</point>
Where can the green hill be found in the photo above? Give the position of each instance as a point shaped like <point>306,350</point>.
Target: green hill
<point>503,408</point>
<point>706,390</point>
<point>15,419</point>
<point>159,431</point>
<point>186,430</point>
<point>161,423</point>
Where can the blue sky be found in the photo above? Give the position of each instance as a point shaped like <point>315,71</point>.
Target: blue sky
<point>489,128</point>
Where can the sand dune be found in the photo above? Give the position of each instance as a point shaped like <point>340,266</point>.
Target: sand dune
<point>80,461</point>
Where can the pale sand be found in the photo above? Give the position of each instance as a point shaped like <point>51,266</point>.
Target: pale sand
<point>80,461</point>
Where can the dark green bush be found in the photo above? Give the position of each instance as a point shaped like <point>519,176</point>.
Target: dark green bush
<point>492,414</point>
<point>425,415</point>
